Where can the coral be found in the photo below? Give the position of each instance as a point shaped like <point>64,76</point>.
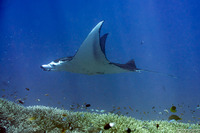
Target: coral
<point>40,119</point>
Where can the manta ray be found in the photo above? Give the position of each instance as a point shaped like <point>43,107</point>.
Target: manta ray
<point>91,58</point>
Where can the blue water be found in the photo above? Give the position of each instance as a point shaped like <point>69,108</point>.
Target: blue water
<point>36,32</point>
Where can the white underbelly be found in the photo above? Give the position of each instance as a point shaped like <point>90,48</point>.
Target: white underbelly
<point>91,68</point>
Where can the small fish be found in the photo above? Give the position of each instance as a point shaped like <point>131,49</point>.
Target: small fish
<point>142,42</point>
<point>72,108</point>
<point>108,126</point>
<point>3,89</point>
<point>175,117</point>
<point>157,125</point>
<point>166,111</point>
<point>78,106</point>
<point>153,107</point>
<point>27,89</point>
<point>38,100</point>
<point>114,110</point>
<point>32,118</point>
<point>118,113</point>
<point>128,130</point>
<point>130,108</point>
<point>87,105</point>
<point>102,111</point>
<point>192,111</point>
<point>173,109</point>
<point>9,119</point>
<point>63,130</point>
<point>46,94</point>
<point>64,115</point>
<point>21,102</point>
<point>182,114</point>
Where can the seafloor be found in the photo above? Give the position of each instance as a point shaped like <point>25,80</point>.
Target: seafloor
<point>15,118</point>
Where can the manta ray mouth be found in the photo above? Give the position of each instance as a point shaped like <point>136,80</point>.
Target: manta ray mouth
<point>46,67</point>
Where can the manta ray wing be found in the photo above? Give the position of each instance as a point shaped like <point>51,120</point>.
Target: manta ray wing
<point>91,52</point>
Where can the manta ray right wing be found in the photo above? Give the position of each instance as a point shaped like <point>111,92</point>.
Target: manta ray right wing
<point>91,52</point>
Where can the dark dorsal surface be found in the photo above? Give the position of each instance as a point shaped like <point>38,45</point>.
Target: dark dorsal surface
<point>130,65</point>
<point>103,42</point>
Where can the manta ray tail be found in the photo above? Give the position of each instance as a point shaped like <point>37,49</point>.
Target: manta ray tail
<point>166,74</point>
